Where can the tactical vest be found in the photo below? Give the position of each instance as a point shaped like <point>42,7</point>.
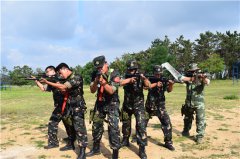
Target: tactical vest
<point>157,93</point>
<point>107,98</point>
<point>195,91</point>
<point>134,89</point>
<point>78,91</point>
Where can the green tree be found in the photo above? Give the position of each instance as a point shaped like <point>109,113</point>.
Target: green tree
<point>229,48</point>
<point>86,72</point>
<point>182,52</point>
<point>159,55</point>
<point>214,64</point>
<point>18,74</point>
<point>205,46</point>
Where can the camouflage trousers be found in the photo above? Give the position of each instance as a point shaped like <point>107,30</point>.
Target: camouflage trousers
<point>137,109</point>
<point>54,120</point>
<point>78,120</point>
<point>164,118</point>
<point>199,109</point>
<point>112,112</point>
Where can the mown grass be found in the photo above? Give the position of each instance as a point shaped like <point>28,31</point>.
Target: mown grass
<point>30,105</point>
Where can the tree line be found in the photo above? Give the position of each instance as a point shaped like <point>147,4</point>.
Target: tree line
<point>214,52</point>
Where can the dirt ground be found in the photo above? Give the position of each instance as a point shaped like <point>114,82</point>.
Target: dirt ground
<point>222,140</point>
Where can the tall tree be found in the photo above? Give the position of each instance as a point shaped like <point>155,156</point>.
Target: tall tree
<point>182,51</point>
<point>214,64</point>
<point>229,48</point>
<point>18,74</point>
<point>205,46</point>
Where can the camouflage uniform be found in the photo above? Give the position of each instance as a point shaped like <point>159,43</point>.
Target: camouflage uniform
<point>56,117</point>
<point>76,103</point>
<point>155,106</point>
<point>134,104</point>
<point>195,103</point>
<point>110,107</point>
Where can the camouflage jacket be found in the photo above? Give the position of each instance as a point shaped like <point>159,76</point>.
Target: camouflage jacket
<point>74,84</point>
<point>111,78</point>
<point>195,92</point>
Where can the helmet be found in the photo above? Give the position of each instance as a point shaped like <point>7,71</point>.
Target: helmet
<point>99,61</point>
<point>193,67</point>
<point>157,69</point>
<point>132,64</point>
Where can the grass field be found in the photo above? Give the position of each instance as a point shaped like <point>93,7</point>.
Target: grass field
<point>27,100</point>
<point>27,109</point>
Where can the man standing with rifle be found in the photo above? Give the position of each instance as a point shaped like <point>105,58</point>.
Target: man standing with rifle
<point>155,104</point>
<point>106,84</point>
<point>73,86</point>
<point>57,115</point>
<point>134,104</point>
<point>195,83</point>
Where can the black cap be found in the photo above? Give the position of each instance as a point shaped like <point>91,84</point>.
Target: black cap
<point>61,65</point>
<point>99,61</point>
<point>157,69</point>
<point>52,67</point>
<point>132,64</point>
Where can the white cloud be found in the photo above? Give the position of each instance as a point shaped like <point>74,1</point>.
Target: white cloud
<point>15,56</point>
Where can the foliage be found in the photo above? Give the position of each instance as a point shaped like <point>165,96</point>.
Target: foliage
<point>213,64</point>
<point>231,97</point>
<point>18,74</point>
<point>215,52</point>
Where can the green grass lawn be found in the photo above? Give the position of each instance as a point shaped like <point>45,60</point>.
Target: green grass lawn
<point>24,103</point>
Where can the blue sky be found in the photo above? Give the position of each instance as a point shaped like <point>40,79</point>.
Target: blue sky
<point>45,33</point>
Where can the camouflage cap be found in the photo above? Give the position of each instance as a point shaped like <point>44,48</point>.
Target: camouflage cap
<point>157,69</point>
<point>193,67</point>
<point>132,64</point>
<point>99,61</point>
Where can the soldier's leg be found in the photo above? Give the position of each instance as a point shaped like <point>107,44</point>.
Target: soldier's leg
<point>80,129</point>
<point>141,129</point>
<point>166,126</point>
<point>53,128</point>
<point>68,123</point>
<point>200,121</point>
<point>126,127</point>
<point>188,118</point>
<point>113,129</point>
<point>97,132</point>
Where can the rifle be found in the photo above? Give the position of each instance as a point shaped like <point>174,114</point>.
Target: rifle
<point>196,74</point>
<point>38,77</point>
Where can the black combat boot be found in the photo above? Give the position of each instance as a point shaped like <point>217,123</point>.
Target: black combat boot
<point>125,142</point>
<point>169,146</point>
<point>142,152</point>
<point>185,133</point>
<point>95,150</point>
<point>115,154</point>
<point>82,154</point>
<point>68,146</point>
<point>50,146</point>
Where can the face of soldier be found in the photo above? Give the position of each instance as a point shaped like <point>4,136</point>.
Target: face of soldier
<point>64,73</point>
<point>131,71</point>
<point>157,75</point>
<point>50,72</point>
<point>103,69</point>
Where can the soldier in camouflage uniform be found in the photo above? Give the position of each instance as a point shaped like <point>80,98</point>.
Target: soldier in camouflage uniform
<point>105,82</point>
<point>57,115</point>
<point>194,102</point>
<point>134,104</point>
<point>73,86</point>
<point>155,105</point>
